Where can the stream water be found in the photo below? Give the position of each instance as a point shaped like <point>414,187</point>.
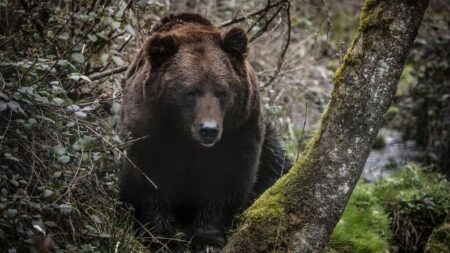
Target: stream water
<point>396,153</point>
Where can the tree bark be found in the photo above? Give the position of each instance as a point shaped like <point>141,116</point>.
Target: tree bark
<point>299,213</point>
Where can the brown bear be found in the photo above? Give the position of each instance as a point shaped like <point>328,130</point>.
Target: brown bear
<point>191,102</point>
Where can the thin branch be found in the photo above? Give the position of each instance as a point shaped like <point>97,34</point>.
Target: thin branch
<point>66,52</point>
<point>119,50</point>
<point>328,23</point>
<point>286,46</point>
<point>97,21</point>
<point>266,25</point>
<point>124,155</point>
<point>107,73</point>
<point>96,78</point>
<point>251,14</point>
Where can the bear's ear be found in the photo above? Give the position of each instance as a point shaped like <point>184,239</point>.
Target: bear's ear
<point>159,47</point>
<point>235,42</point>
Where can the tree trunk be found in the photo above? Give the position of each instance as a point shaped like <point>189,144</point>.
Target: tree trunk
<point>299,213</point>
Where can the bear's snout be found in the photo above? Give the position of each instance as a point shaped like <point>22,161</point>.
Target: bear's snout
<point>208,132</point>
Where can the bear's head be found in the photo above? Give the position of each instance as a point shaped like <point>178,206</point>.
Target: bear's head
<point>199,78</point>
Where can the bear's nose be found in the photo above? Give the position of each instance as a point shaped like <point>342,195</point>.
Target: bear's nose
<point>209,131</point>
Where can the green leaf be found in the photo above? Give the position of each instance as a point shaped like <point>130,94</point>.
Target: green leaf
<point>14,106</point>
<point>45,119</point>
<point>103,36</point>
<point>116,139</point>
<point>115,25</point>
<point>65,208</point>
<point>104,235</point>
<point>90,228</point>
<point>78,76</point>
<point>92,37</point>
<point>115,108</point>
<point>74,77</point>
<point>3,106</point>
<point>78,57</point>
<point>57,174</point>
<point>96,219</point>
<point>50,223</point>
<point>130,30</point>
<point>81,114</point>
<point>59,149</point>
<point>104,59</point>
<point>64,159</point>
<point>58,101</point>
<point>4,96</point>
<point>11,212</point>
<point>47,193</point>
<point>11,157</point>
<point>63,36</point>
<point>70,124</point>
<point>85,78</point>
<point>73,108</point>
<point>117,60</point>
<point>112,121</point>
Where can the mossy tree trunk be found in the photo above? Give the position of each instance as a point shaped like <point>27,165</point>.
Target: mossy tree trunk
<point>299,213</point>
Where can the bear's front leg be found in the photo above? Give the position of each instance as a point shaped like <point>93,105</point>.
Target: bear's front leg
<point>208,232</point>
<point>208,238</point>
<point>154,222</point>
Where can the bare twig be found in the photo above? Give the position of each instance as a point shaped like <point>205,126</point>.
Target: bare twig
<point>97,21</point>
<point>67,51</point>
<point>328,23</point>
<point>252,14</point>
<point>107,73</point>
<point>124,155</point>
<point>119,50</point>
<point>6,129</point>
<point>266,25</point>
<point>96,78</point>
<point>286,46</point>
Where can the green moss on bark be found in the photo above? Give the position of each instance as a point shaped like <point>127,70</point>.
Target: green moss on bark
<point>268,214</point>
<point>368,15</point>
<point>264,215</point>
<point>372,16</point>
<point>370,4</point>
<point>350,59</point>
<point>439,240</point>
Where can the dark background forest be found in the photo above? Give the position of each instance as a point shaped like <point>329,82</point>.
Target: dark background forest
<point>61,66</point>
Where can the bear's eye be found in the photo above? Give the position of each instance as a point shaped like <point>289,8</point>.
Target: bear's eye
<point>222,95</point>
<point>190,94</point>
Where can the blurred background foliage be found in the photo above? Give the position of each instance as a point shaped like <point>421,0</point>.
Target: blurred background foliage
<point>60,88</point>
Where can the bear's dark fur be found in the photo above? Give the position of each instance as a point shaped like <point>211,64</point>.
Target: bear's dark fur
<point>192,102</point>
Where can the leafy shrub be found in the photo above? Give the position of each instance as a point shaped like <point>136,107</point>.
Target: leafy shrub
<point>59,150</point>
<point>396,214</point>
<point>417,201</point>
